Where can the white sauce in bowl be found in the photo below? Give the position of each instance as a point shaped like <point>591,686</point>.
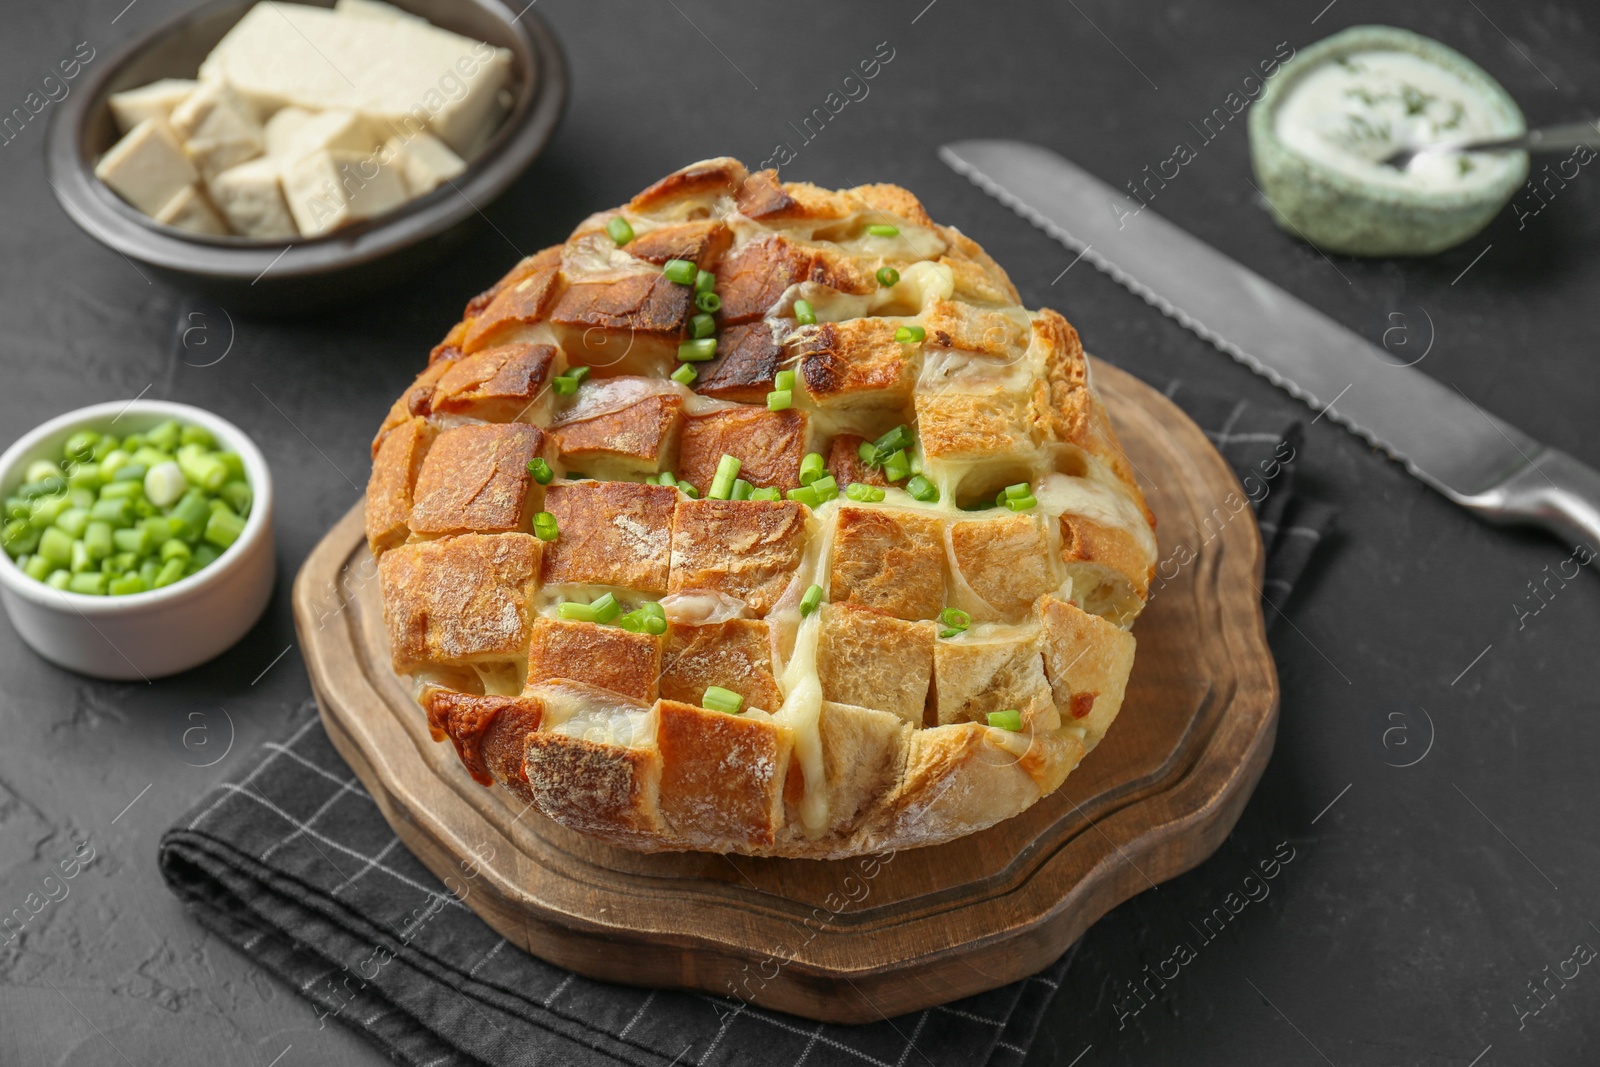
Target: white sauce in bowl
<point>1350,113</point>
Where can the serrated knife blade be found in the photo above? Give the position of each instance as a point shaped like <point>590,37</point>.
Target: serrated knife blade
<point>1441,436</point>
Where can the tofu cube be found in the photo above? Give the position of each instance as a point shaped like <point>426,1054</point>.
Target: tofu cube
<point>154,101</point>
<point>250,197</point>
<point>328,190</point>
<point>190,210</point>
<point>218,128</point>
<point>425,162</point>
<point>148,167</point>
<point>280,130</point>
<point>374,9</point>
<point>336,130</point>
<point>612,534</point>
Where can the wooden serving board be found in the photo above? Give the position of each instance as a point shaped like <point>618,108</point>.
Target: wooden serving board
<point>857,940</point>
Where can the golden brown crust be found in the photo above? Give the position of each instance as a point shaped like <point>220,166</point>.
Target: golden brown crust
<point>611,533</point>
<point>476,478</point>
<point>394,475</point>
<point>604,657</point>
<point>746,549</point>
<point>860,729</point>
<point>891,561</point>
<point>768,444</point>
<point>459,600</point>
<point>736,655</point>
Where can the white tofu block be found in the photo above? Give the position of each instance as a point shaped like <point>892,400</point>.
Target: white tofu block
<point>389,70</point>
<point>251,199</point>
<point>328,190</point>
<point>190,210</point>
<point>218,128</point>
<point>148,167</point>
<point>334,131</point>
<point>374,9</point>
<point>153,101</point>
<point>278,131</point>
<point>424,162</point>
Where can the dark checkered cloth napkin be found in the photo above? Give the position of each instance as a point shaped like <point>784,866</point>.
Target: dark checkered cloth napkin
<point>295,866</point>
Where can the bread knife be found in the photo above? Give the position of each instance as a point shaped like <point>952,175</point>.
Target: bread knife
<point>1433,429</point>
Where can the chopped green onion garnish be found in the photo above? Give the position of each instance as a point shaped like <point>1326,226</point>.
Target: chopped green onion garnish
<point>681,271</point>
<point>897,466</point>
<point>888,276</point>
<point>922,489</point>
<point>545,527</point>
<point>803,313</point>
<point>633,622</point>
<point>1014,492</point>
<point>576,612</point>
<point>619,230</point>
<point>896,439</point>
<point>128,583</point>
<point>867,452</point>
<point>863,492</point>
<point>697,350</point>
<point>563,385</point>
<point>92,583</point>
<point>664,478</point>
<point>805,495</point>
<point>708,302</point>
<point>812,467</point>
<point>784,379</point>
<point>780,400</point>
<point>954,621</point>
<point>1023,504</point>
<point>1010,719</point>
<point>825,488</point>
<point>685,374</point>
<point>811,600</point>
<point>606,608</point>
<point>910,335</point>
<point>655,625</point>
<point>702,326</point>
<point>704,281</point>
<point>883,230</point>
<point>769,493</point>
<point>578,373</point>
<point>224,527</point>
<point>540,469</point>
<point>741,490</point>
<point>688,490</point>
<point>719,699</point>
<point>722,483</point>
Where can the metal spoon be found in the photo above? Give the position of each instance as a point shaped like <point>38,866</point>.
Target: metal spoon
<point>1550,139</point>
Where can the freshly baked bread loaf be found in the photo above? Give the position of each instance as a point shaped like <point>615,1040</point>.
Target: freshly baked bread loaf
<point>897,614</point>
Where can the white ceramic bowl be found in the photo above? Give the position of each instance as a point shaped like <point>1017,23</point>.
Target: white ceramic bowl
<point>163,631</point>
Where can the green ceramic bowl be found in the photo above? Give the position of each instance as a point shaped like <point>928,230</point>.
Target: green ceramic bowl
<point>1341,213</point>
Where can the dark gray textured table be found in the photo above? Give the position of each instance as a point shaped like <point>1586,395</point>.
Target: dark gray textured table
<point>1421,905</point>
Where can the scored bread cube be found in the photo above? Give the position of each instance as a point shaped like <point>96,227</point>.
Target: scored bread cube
<point>606,657</point>
<point>147,167</point>
<point>633,433</point>
<point>989,425</point>
<point>515,303</point>
<point>218,128</point>
<point>1002,334</point>
<point>857,365</point>
<point>611,533</point>
<point>476,477</point>
<point>425,162</point>
<point>327,190</point>
<point>394,477</point>
<point>746,549</point>
<point>753,279</point>
<point>722,776</point>
<point>863,756</point>
<point>498,384</point>
<point>154,101</point>
<point>697,186</point>
<point>190,210</point>
<point>1087,661</point>
<point>416,401</point>
<point>875,661</point>
<point>1109,567</point>
<point>1002,670</point>
<point>701,243</point>
<point>489,732</point>
<point>748,359</point>
<point>736,655</point>
<point>250,196</point>
<point>888,560</point>
<point>961,779</point>
<point>768,444</point>
<point>1004,561</point>
<point>460,600</point>
<point>623,323</point>
<point>596,787</point>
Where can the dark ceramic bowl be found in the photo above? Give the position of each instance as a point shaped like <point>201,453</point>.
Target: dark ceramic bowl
<point>288,277</point>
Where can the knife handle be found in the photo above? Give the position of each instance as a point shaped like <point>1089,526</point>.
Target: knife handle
<point>1555,491</point>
